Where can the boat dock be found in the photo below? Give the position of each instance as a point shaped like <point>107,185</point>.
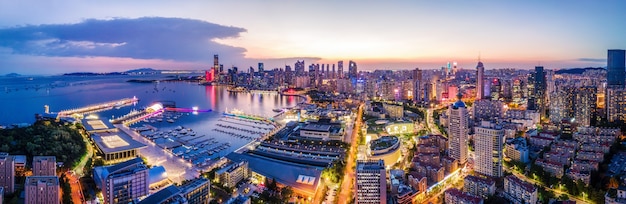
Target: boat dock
<point>97,107</point>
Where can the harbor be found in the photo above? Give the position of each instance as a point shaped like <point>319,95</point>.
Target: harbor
<point>200,150</point>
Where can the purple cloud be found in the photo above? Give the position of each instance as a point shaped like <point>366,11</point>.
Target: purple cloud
<point>142,38</point>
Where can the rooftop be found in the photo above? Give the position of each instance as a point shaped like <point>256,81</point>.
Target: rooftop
<point>487,181</point>
<point>47,180</point>
<point>464,196</point>
<point>316,127</point>
<point>518,182</point>
<point>111,142</point>
<point>161,196</point>
<point>284,172</point>
<point>96,125</point>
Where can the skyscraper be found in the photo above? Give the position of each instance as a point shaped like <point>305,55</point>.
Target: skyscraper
<point>371,182</point>
<point>488,142</point>
<point>333,74</point>
<point>418,93</point>
<point>616,68</point>
<point>458,130</point>
<point>216,66</point>
<point>261,69</point>
<point>480,86</point>
<point>312,74</point>
<point>352,70</point>
<point>299,68</point>
<point>340,69</point>
<point>536,92</point>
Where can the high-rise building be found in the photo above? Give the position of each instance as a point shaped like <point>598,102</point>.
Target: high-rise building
<point>288,75</point>
<point>261,69</point>
<point>318,76</point>
<point>536,98</point>
<point>44,165</point>
<point>340,69</point>
<point>488,148</point>
<point>333,74</point>
<point>371,182</point>
<point>578,103</point>
<point>216,66</point>
<point>458,130</point>
<point>7,172</point>
<point>480,86</point>
<point>616,104</point>
<point>123,182</point>
<point>586,99</point>
<point>299,68</point>
<point>616,68</point>
<point>496,89</point>
<point>352,70</point>
<point>487,110</point>
<point>418,93</point>
<point>41,190</point>
<point>312,75</point>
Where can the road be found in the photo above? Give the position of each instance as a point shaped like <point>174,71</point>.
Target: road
<point>78,170</point>
<point>430,122</point>
<point>556,192</point>
<point>348,178</point>
<point>77,191</point>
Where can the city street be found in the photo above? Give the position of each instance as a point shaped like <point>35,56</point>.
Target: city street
<point>430,122</point>
<point>556,192</point>
<point>348,178</point>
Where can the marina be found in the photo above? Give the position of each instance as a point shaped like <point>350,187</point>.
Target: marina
<point>203,149</point>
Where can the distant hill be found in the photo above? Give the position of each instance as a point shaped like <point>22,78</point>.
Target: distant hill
<point>577,70</point>
<point>92,74</point>
<point>144,70</point>
<point>13,75</point>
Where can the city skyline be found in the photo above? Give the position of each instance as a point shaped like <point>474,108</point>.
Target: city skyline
<point>104,36</point>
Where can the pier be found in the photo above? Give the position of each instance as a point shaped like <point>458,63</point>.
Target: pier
<point>97,107</point>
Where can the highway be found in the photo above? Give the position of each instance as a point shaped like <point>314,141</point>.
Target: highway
<point>348,178</point>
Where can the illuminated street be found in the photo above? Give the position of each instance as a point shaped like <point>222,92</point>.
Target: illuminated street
<point>348,178</point>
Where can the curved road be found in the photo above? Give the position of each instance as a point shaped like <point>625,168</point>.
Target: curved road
<point>430,121</point>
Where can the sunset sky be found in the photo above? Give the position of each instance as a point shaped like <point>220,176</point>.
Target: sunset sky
<point>51,37</point>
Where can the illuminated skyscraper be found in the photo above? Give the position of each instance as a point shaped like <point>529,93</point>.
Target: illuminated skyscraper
<point>458,130</point>
<point>615,68</point>
<point>418,92</point>
<point>480,86</point>
<point>537,91</point>
<point>352,70</point>
<point>333,74</point>
<point>488,142</point>
<point>216,66</point>
<point>261,69</point>
<point>340,69</point>
<point>299,68</point>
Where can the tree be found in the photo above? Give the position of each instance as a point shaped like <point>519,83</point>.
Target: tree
<point>286,192</point>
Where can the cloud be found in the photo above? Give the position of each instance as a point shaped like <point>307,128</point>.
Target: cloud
<point>175,39</point>
<point>591,59</point>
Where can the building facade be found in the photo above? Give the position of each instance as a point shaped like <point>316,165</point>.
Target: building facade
<point>7,172</point>
<point>44,165</point>
<point>488,147</point>
<point>482,187</point>
<point>232,173</point>
<point>371,182</point>
<point>458,130</point>
<point>123,182</point>
<point>518,191</point>
<point>41,190</point>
